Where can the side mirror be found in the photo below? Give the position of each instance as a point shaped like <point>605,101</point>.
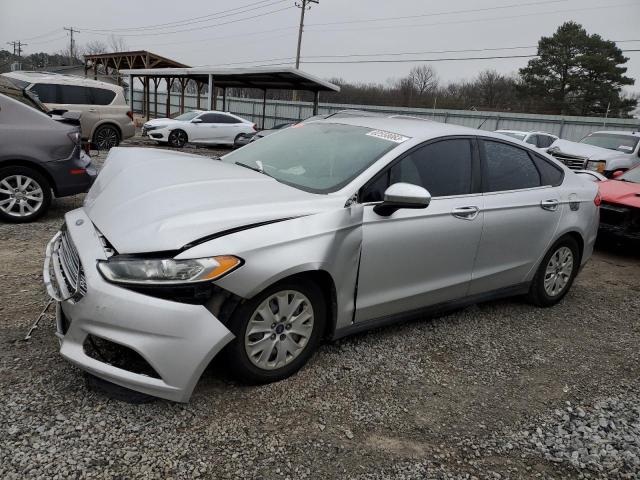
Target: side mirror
<point>617,173</point>
<point>196,120</point>
<point>402,195</point>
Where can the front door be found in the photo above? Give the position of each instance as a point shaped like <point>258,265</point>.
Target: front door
<point>417,258</point>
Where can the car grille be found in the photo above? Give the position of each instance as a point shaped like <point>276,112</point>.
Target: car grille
<point>70,267</point>
<point>574,163</point>
<point>620,219</point>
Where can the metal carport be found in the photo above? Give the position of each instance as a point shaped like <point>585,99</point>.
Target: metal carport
<point>259,78</point>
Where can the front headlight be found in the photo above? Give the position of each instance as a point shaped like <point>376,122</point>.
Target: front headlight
<point>153,127</point>
<point>596,165</point>
<point>168,271</point>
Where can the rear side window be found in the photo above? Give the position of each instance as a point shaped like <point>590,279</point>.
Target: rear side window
<point>101,96</point>
<point>218,118</point>
<point>46,92</point>
<point>545,141</point>
<point>551,175</point>
<point>75,95</point>
<point>506,167</point>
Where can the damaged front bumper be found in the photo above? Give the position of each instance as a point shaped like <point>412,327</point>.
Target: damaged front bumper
<point>177,340</point>
<point>620,220</point>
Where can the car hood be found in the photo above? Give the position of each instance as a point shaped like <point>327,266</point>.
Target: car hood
<point>625,193</point>
<point>583,150</point>
<point>152,200</point>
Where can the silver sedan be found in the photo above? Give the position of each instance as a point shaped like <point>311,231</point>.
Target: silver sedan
<point>315,232</point>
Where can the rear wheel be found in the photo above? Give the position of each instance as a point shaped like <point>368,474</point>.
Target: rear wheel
<point>25,194</point>
<point>556,273</point>
<point>177,138</point>
<point>106,137</point>
<point>276,332</point>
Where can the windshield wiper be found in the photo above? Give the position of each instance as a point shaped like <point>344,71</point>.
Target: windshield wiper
<point>258,168</point>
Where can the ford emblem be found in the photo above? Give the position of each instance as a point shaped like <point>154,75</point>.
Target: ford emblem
<point>79,222</point>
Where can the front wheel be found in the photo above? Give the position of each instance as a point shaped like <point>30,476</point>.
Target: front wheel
<point>276,332</point>
<point>177,138</point>
<point>25,194</point>
<point>556,273</point>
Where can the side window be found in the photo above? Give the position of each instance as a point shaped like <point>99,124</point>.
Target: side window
<point>551,175</point>
<point>443,168</point>
<point>374,191</point>
<point>229,119</point>
<point>506,167</point>
<point>102,96</point>
<point>75,95</point>
<point>544,141</point>
<point>46,92</point>
<point>209,118</point>
<point>532,140</point>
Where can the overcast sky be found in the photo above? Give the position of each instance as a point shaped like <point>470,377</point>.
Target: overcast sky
<point>333,27</point>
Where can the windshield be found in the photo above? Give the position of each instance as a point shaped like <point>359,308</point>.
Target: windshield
<point>631,176</point>
<point>519,136</point>
<point>612,141</point>
<point>316,157</point>
<point>185,117</point>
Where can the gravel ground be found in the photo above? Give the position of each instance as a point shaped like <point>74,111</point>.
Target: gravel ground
<point>497,390</point>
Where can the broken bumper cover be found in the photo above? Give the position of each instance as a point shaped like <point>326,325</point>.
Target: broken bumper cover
<point>177,340</point>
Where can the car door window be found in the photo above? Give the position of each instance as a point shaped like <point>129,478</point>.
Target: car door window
<point>102,96</point>
<point>544,141</point>
<point>443,168</point>
<point>506,167</point>
<point>532,140</point>
<point>74,95</point>
<point>46,92</point>
<point>228,119</point>
<point>209,118</point>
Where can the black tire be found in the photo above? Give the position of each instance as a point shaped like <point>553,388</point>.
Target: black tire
<point>178,138</point>
<point>538,295</point>
<point>106,137</point>
<point>8,178</point>
<point>237,358</point>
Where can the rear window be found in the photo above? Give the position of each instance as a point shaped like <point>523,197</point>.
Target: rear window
<point>102,96</point>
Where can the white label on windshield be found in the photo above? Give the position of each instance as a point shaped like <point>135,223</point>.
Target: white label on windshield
<point>390,136</point>
<point>625,147</point>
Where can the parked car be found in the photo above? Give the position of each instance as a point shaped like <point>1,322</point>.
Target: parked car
<point>106,118</point>
<point>39,156</point>
<point>620,209</point>
<point>603,152</point>
<point>319,231</point>
<point>198,127</point>
<point>537,139</point>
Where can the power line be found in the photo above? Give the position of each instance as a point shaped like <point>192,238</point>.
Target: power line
<point>194,20</point>
<point>260,15</point>
<point>454,22</point>
<point>71,30</point>
<point>437,14</point>
<point>57,30</point>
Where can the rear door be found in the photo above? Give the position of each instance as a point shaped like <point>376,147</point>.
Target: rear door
<point>521,215</point>
<point>416,258</point>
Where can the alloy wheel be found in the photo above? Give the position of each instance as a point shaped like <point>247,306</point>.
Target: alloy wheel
<point>106,138</point>
<point>178,138</point>
<point>558,272</point>
<point>20,196</point>
<point>279,329</point>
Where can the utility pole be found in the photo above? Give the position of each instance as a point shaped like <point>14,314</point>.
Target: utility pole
<point>71,43</point>
<point>305,5</point>
<point>17,50</point>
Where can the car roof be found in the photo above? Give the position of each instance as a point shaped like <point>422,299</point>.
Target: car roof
<point>58,78</point>
<point>411,126</point>
<point>619,132</point>
<point>525,132</point>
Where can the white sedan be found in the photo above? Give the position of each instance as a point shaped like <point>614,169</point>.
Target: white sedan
<point>198,127</point>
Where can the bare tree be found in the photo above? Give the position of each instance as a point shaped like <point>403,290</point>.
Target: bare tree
<point>117,44</point>
<point>424,79</point>
<point>95,47</point>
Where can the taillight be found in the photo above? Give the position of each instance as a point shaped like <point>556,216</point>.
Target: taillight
<point>598,200</point>
<point>74,137</point>
<point>255,127</point>
<point>130,115</point>
<point>77,171</point>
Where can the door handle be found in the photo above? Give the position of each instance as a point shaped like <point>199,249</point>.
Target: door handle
<point>465,213</point>
<point>551,205</point>
<point>92,110</point>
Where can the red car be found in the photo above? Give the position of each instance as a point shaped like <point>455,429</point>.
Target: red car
<point>620,208</point>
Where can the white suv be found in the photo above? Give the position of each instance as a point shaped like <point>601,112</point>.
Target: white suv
<point>537,139</point>
<point>106,118</point>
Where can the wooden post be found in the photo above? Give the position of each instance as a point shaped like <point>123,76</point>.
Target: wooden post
<point>198,86</point>
<point>95,70</point>
<point>224,99</point>
<point>169,87</point>
<point>156,80</point>
<point>146,97</point>
<point>264,107</point>
<point>210,93</point>
<point>182,87</point>
<point>316,101</point>
<point>131,93</point>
